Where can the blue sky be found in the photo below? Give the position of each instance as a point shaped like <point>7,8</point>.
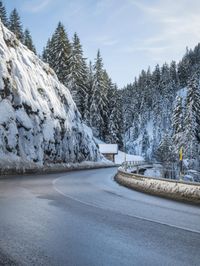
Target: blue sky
<point>131,34</point>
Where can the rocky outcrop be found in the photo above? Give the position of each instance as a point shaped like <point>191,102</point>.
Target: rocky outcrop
<point>39,122</point>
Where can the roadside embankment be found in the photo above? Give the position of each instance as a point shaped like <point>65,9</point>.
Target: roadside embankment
<point>173,189</point>
<point>52,168</point>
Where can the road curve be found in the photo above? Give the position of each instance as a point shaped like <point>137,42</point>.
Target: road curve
<point>85,218</point>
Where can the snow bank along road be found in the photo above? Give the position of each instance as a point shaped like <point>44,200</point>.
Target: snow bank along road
<point>85,218</point>
<point>172,189</point>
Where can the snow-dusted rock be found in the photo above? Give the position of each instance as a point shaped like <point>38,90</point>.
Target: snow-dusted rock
<point>39,122</point>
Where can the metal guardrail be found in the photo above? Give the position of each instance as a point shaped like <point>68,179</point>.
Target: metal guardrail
<point>166,172</point>
<point>132,163</point>
<point>137,177</point>
<point>135,165</point>
<point>173,189</point>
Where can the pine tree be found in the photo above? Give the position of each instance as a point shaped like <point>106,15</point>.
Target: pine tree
<point>28,41</point>
<point>148,106</point>
<point>77,78</point>
<point>99,99</point>
<point>165,151</point>
<point>15,25</point>
<point>185,68</point>
<point>115,121</point>
<point>119,117</point>
<point>57,53</point>
<point>145,143</point>
<point>3,14</point>
<point>197,54</point>
<point>89,93</point>
<point>108,93</point>
<point>128,106</point>
<point>46,55</point>
<point>173,73</point>
<point>192,119</point>
<point>156,75</point>
<point>177,123</point>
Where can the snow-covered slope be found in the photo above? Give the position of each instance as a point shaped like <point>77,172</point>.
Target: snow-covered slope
<point>145,134</point>
<point>39,121</point>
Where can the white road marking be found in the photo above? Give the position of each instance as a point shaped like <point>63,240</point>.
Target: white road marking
<point>118,212</point>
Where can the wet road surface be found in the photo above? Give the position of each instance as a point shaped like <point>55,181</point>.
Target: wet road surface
<point>85,218</point>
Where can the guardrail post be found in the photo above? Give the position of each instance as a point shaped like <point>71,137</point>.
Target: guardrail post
<point>125,166</point>
<point>162,173</point>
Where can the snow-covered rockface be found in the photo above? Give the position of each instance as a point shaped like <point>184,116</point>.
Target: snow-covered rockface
<point>39,122</point>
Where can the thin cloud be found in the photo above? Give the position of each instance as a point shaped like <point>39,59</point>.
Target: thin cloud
<point>104,40</point>
<point>172,24</point>
<point>144,7</point>
<point>36,6</point>
<point>110,42</point>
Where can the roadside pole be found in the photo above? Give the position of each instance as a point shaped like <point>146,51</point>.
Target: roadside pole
<point>181,161</point>
<point>125,159</point>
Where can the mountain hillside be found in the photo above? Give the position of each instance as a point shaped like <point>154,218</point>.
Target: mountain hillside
<point>39,121</point>
<point>151,125</point>
<point>162,112</point>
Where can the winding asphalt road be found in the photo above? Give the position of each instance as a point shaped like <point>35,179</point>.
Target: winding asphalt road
<point>85,218</point>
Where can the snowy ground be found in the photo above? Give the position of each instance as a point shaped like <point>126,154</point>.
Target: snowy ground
<point>154,172</point>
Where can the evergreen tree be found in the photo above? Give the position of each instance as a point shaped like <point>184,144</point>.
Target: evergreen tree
<point>3,14</point>
<point>149,109</point>
<point>165,151</point>
<point>173,73</point>
<point>192,119</point>
<point>28,41</point>
<point>128,106</point>
<point>156,76</point>
<point>89,92</point>
<point>46,55</point>
<point>185,68</point>
<point>197,54</point>
<point>165,80</point>
<point>77,78</point>
<point>107,92</point>
<point>145,143</point>
<point>115,120</point>
<point>99,99</point>
<point>57,53</point>
<point>119,118</point>
<point>15,25</point>
<point>177,123</point>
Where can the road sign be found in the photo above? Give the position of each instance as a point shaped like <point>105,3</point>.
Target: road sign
<point>181,154</point>
<point>181,160</point>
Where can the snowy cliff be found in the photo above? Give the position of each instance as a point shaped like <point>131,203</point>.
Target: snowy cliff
<point>39,122</point>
